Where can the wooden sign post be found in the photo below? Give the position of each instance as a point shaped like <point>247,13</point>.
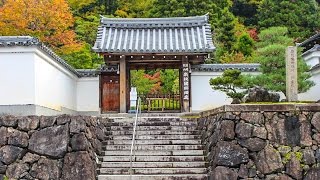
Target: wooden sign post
<point>185,85</point>
<point>291,74</point>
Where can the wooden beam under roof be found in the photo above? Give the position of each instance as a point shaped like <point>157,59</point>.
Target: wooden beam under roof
<point>155,57</point>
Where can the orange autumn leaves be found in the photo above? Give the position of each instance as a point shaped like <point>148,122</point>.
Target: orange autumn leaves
<point>49,20</point>
<point>156,80</point>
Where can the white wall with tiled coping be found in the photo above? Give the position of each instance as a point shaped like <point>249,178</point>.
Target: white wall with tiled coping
<point>312,58</point>
<point>203,97</point>
<point>29,76</point>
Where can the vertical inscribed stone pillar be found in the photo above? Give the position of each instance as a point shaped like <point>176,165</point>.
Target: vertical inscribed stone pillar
<point>123,88</point>
<point>291,74</point>
<point>185,85</point>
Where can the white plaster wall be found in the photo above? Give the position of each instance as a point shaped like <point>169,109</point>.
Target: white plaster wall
<point>16,76</point>
<point>312,58</point>
<point>88,94</point>
<point>203,97</point>
<point>313,94</point>
<point>55,86</point>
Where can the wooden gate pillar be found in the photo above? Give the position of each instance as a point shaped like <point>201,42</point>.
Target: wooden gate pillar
<point>185,81</point>
<point>123,84</point>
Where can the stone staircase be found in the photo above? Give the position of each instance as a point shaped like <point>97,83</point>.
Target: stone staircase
<point>166,148</point>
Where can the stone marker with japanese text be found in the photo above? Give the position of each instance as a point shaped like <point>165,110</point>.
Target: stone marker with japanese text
<point>291,74</point>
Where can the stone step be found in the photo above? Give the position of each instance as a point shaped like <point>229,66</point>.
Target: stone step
<point>155,177</point>
<point>166,148</point>
<point>150,128</point>
<point>156,153</point>
<point>154,159</point>
<point>154,137</point>
<point>137,142</point>
<point>154,147</point>
<point>144,115</point>
<point>154,132</point>
<point>200,164</point>
<point>153,170</point>
<point>155,123</point>
<point>151,119</point>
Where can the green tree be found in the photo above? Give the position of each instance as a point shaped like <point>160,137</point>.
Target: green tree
<point>225,33</point>
<point>180,8</point>
<point>102,7</point>
<point>223,22</point>
<point>83,58</point>
<point>300,17</point>
<point>249,16</point>
<point>230,82</point>
<point>143,84</point>
<point>168,80</point>
<point>133,8</point>
<point>271,55</point>
<point>86,28</point>
<point>245,44</point>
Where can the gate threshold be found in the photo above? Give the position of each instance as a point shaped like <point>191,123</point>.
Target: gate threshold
<point>150,115</point>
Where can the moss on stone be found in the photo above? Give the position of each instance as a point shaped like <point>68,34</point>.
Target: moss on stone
<point>289,155</point>
<point>286,158</point>
<point>298,155</point>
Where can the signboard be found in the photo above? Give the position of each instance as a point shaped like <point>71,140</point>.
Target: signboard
<point>133,100</point>
<point>185,72</point>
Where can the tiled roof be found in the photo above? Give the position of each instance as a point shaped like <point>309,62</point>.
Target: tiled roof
<point>310,40</point>
<point>18,41</point>
<point>154,35</point>
<point>32,41</point>
<point>315,48</point>
<point>88,72</point>
<point>315,67</point>
<point>221,67</point>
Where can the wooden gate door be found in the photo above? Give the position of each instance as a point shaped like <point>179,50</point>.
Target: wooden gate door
<point>110,94</point>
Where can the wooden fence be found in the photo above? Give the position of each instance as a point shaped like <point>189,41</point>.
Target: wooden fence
<point>160,102</point>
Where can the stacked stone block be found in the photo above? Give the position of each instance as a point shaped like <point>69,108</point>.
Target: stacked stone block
<point>52,147</point>
<point>274,142</point>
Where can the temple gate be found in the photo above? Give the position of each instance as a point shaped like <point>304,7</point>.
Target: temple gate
<point>149,43</point>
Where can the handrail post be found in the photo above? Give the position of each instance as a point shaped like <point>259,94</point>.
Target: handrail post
<point>134,134</point>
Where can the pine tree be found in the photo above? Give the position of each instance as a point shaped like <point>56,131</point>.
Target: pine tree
<point>271,56</point>
<point>230,82</point>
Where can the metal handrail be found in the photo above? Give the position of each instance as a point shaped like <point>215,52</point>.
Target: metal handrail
<point>138,111</point>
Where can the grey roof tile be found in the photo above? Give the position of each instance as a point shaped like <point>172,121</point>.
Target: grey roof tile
<point>309,40</point>
<point>154,35</point>
<point>88,72</point>
<point>315,67</point>
<point>315,48</point>
<point>222,67</point>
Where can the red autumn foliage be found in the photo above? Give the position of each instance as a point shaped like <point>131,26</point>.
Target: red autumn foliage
<point>253,34</point>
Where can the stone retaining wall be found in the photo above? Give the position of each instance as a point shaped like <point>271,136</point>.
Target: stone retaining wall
<point>50,147</point>
<point>279,142</point>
